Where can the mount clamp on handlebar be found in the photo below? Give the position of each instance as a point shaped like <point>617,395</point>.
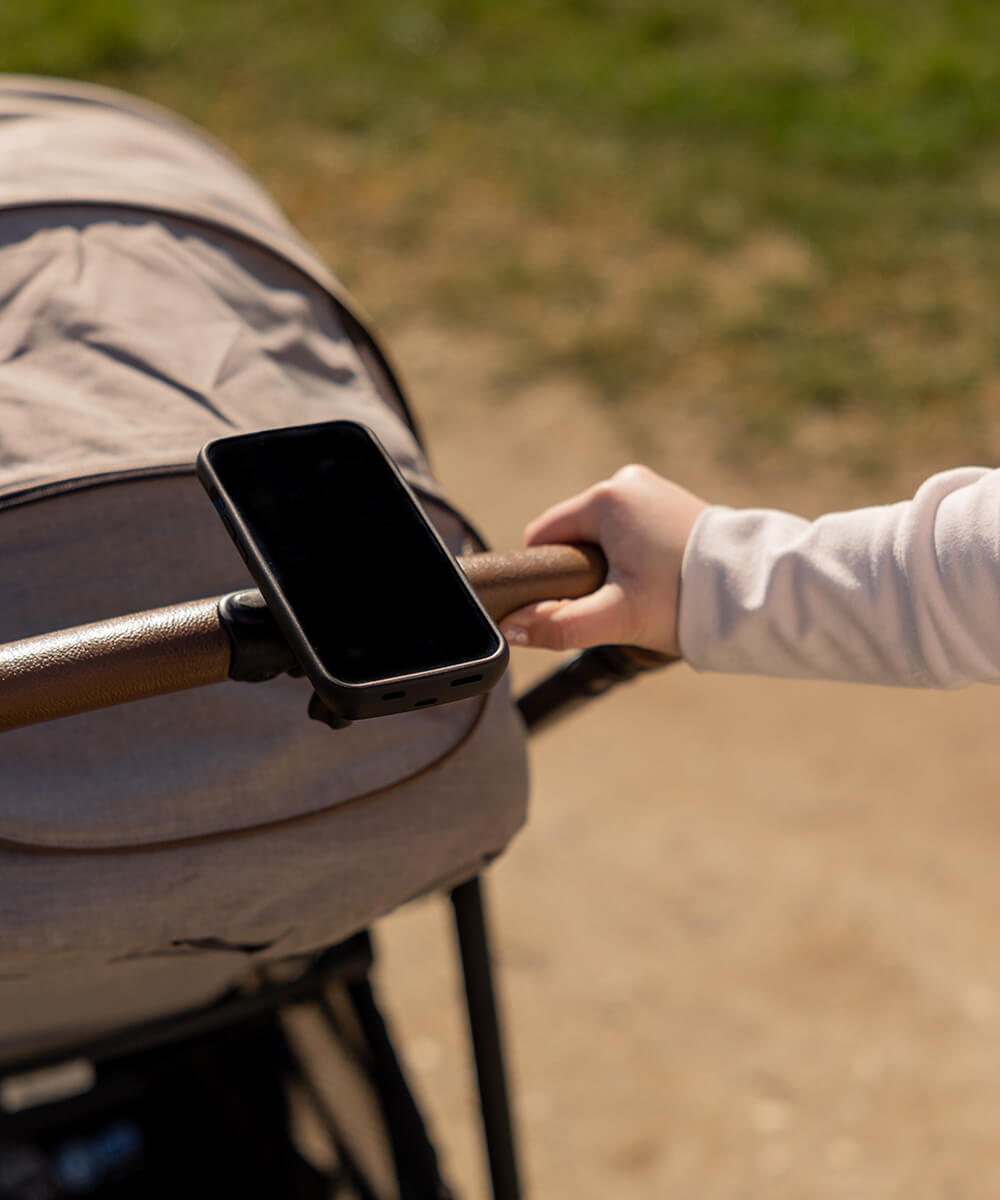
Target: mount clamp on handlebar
<point>260,652</point>
<point>318,711</point>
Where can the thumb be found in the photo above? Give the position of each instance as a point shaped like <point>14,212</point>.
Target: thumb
<point>570,624</point>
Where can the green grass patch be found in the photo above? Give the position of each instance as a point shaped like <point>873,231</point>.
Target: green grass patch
<point>802,195</point>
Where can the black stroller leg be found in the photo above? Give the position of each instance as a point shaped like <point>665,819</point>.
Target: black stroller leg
<point>498,1125</point>
<point>416,1161</point>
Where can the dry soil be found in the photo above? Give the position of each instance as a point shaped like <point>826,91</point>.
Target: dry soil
<point>747,941</point>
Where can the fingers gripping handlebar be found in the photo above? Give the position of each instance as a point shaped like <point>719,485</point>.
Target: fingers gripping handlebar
<point>507,581</point>
<point>186,645</point>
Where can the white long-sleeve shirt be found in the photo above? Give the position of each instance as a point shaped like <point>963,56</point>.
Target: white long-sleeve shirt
<point>905,594</point>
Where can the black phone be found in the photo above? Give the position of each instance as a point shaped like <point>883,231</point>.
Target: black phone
<point>375,607</point>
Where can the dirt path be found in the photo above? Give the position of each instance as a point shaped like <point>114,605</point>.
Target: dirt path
<point>748,939</point>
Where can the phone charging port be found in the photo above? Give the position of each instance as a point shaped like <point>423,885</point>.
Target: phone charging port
<point>466,679</point>
<point>393,695</point>
<point>425,703</point>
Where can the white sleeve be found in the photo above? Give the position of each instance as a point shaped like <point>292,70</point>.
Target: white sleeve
<point>905,594</point>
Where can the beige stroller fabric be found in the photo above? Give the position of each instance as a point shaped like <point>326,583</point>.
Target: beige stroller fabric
<point>152,297</point>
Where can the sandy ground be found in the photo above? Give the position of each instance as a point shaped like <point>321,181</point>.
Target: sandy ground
<point>746,942</point>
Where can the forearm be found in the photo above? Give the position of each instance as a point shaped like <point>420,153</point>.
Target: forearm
<point>906,594</point>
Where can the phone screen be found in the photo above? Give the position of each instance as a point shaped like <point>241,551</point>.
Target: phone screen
<point>373,590</point>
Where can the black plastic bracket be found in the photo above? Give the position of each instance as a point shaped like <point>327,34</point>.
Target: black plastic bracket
<point>318,711</point>
<point>259,651</point>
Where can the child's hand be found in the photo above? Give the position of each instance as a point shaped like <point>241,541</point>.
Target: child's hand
<point>641,522</point>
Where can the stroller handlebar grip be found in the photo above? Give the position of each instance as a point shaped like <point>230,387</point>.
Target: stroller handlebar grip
<point>509,580</point>
<point>112,662</point>
<point>182,646</point>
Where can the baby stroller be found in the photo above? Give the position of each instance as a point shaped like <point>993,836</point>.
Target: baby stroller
<point>187,877</point>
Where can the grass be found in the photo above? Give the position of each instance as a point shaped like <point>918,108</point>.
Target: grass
<point>804,193</point>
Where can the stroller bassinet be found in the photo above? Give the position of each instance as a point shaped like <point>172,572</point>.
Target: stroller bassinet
<point>153,297</point>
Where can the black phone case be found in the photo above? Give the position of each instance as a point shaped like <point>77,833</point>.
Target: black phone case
<point>381,697</point>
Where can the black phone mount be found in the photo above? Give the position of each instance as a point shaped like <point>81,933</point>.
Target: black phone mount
<point>259,651</point>
<point>318,711</point>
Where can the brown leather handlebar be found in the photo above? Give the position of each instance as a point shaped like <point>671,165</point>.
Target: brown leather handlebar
<point>184,645</point>
<point>507,581</point>
<point>112,662</point>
